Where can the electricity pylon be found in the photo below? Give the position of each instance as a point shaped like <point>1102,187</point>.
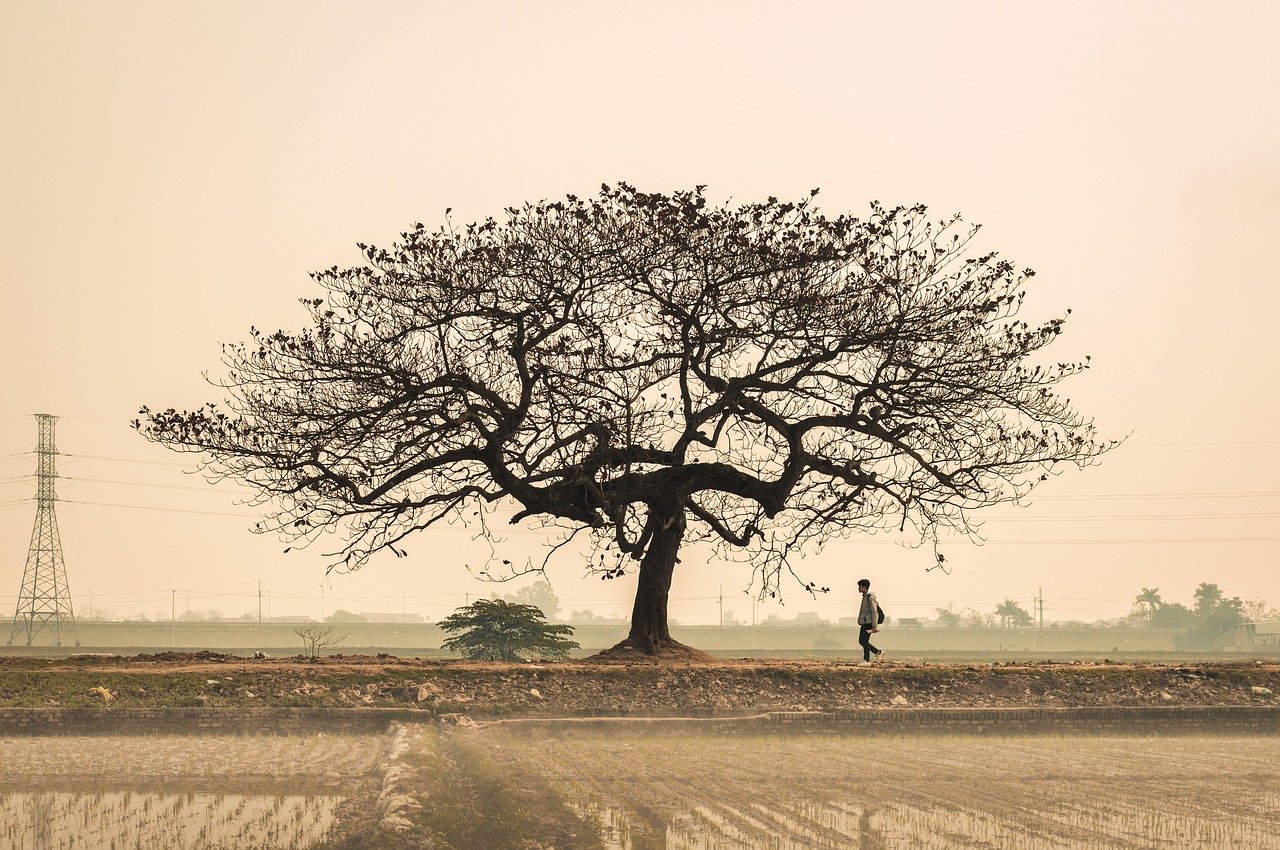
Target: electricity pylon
<point>45,601</point>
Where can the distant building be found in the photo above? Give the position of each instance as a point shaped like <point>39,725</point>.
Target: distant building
<point>391,618</point>
<point>910,623</point>
<point>1253,636</point>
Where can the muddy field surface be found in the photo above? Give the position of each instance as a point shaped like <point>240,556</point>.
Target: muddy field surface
<point>837,791</point>
<point>589,689</point>
<point>512,787</point>
<point>228,791</point>
<point>323,760</point>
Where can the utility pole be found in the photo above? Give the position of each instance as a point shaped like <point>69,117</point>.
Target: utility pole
<point>173,627</point>
<point>404,607</point>
<point>722,616</point>
<point>44,602</point>
<point>322,601</point>
<point>260,643</point>
<point>1038,610</point>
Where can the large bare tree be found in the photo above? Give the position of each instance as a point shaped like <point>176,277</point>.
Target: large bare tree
<point>651,370</point>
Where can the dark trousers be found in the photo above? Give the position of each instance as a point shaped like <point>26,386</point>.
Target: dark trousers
<point>864,639</point>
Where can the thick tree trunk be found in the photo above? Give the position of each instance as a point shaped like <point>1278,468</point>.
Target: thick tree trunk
<point>649,614</point>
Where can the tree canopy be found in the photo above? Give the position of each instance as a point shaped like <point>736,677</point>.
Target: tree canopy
<point>1013,615</point>
<point>1214,615</point>
<point>496,630</point>
<point>539,594</point>
<point>650,370</point>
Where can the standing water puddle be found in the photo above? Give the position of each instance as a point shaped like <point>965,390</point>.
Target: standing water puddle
<point>178,791</point>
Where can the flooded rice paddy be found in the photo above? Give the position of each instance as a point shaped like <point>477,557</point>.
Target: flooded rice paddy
<point>125,819</point>
<point>179,791</point>
<point>641,790</point>
<point>838,791</point>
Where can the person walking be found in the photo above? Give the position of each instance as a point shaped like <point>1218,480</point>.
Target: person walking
<point>868,622</point>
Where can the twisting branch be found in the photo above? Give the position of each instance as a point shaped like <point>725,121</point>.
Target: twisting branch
<point>772,374</point>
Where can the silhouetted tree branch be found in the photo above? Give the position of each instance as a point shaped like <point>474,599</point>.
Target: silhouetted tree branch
<point>656,370</point>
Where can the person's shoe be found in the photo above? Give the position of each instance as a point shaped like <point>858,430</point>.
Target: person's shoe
<point>880,657</point>
<point>864,663</point>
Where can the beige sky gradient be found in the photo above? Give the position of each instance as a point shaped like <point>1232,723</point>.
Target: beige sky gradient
<point>171,172</point>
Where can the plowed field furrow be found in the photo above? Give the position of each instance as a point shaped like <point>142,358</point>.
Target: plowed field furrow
<point>71,821</point>
<point>822,820</point>
<point>163,756</point>
<point>1128,824</point>
<point>741,807</point>
<point>836,790</point>
<point>987,804</point>
<point>924,825</point>
<point>1035,806</point>
<point>730,827</point>
<point>901,826</point>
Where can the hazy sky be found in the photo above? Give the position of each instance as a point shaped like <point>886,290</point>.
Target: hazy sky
<point>172,171</point>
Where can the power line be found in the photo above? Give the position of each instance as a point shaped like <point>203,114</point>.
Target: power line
<point>1129,517</point>
<point>1137,445</point>
<point>166,510</point>
<point>1162,448</point>
<point>209,489</point>
<point>1079,497</point>
<point>1167,540</point>
<point>110,420</point>
<point>499,533</point>
<point>1237,494</point>
<point>128,460</point>
<point>444,527</point>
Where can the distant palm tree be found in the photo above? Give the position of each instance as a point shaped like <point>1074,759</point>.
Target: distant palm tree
<point>1208,595</point>
<point>1012,614</point>
<point>1149,599</point>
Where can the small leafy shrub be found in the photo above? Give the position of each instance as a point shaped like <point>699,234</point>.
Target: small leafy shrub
<point>495,630</point>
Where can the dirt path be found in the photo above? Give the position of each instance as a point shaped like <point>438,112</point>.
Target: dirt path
<point>633,689</point>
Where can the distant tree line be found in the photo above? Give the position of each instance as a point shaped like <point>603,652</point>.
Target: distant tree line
<point>1210,617</point>
<point>1007,615</point>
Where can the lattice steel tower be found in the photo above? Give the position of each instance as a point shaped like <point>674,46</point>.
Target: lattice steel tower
<point>45,602</point>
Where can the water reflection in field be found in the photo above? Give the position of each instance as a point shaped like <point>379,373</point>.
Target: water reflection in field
<point>178,791</point>
<point>836,791</point>
<point>125,819</point>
